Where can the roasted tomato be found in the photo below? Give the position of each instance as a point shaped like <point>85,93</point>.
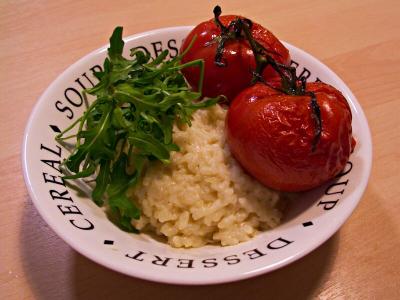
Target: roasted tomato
<point>271,134</point>
<point>237,55</point>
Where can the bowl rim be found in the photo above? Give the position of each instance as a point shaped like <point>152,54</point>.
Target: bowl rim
<point>187,280</point>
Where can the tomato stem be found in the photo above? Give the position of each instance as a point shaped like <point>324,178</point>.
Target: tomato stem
<point>316,115</point>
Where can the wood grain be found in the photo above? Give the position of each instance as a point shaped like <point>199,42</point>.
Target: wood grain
<point>358,39</point>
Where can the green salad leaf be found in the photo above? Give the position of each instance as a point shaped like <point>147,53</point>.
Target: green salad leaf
<point>129,124</point>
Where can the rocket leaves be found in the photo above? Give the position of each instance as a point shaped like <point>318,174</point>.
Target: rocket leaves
<point>129,124</point>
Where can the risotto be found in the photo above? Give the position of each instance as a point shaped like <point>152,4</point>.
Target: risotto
<point>203,196</point>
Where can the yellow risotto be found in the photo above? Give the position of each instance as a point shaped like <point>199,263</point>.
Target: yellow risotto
<point>203,196</point>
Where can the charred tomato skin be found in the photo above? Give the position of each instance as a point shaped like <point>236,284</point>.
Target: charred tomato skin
<point>237,54</point>
<point>271,135</point>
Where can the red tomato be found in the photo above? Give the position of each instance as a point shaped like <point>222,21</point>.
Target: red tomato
<point>237,54</point>
<point>271,134</point>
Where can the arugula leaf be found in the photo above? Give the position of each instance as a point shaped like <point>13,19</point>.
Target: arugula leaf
<point>148,145</point>
<point>123,207</point>
<point>130,123</point>
<point>82,174</point>
<point>116,44</point>
<point>119,177</point>
<point>102,180</point>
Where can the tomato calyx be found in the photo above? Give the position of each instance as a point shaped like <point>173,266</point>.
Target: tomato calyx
<point>234,31</point>
<point>240,28</point>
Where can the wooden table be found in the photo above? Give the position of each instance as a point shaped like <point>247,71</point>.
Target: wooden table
<point>360,40</point>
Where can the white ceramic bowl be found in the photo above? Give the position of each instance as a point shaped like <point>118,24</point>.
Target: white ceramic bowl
<point>310,221</point>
